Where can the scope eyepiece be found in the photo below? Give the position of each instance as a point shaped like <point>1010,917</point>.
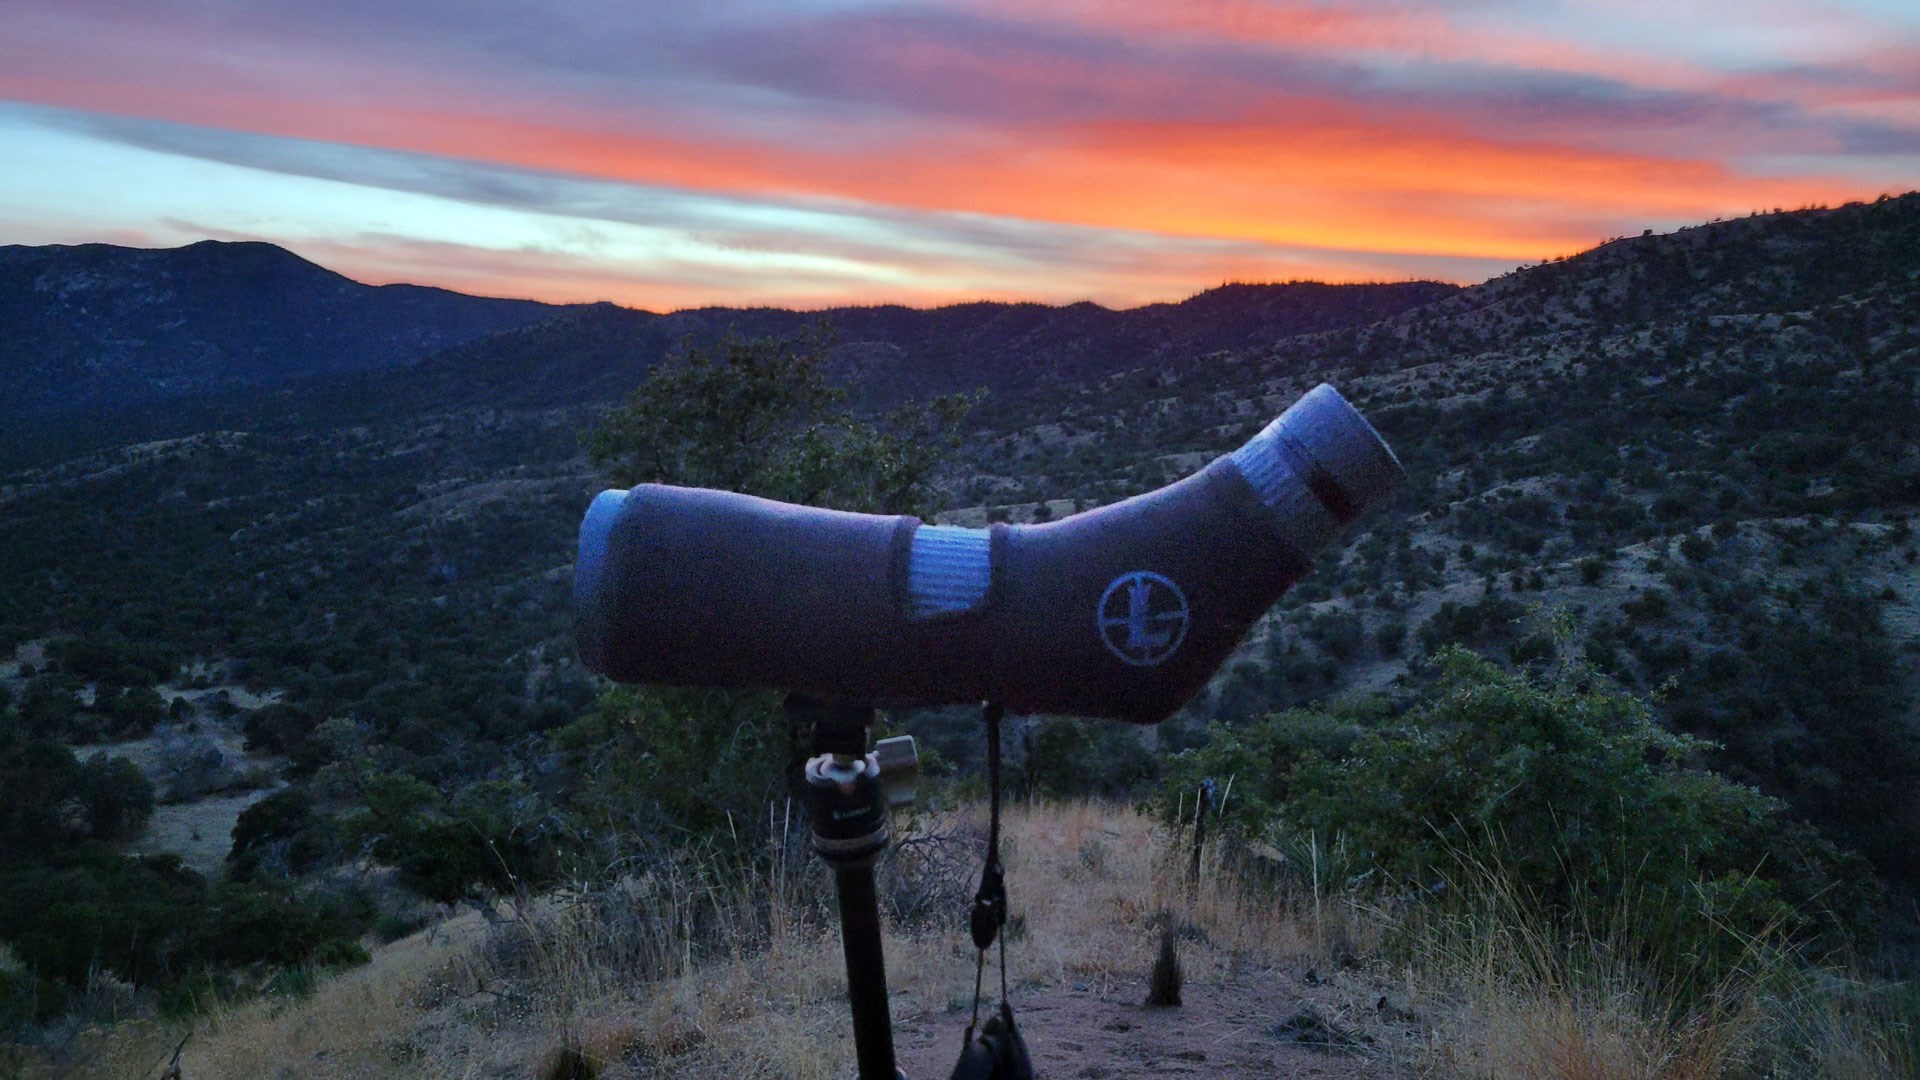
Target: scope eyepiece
<point>1120,612</point>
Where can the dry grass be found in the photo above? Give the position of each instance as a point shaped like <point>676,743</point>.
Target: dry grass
<point>678,972</point>
<point>346,1027</point>
<point>741,978</point>
<point>1604,1000</point>
<point>199,831</point>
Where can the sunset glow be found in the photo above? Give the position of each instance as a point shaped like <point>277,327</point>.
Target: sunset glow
<point>856,151</point>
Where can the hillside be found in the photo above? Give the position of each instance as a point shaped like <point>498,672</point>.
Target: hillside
<point>1690,461</point>
<point>1751,382</point>
<point>593,354</point>
<point>1705,447</point>
<point>1295,982</point>
<point>891,353</point>
<point>96,327</point>
<point>475,998</point>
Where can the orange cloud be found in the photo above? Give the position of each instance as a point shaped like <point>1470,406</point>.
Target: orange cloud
<point>1312,174</point>
<point>1402,30</point>
<point>1215,120</point>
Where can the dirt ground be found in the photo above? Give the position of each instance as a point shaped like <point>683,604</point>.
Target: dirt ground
<point>1265,1024</point>
<point>1262,996</point>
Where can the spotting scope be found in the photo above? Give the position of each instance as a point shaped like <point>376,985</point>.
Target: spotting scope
<point>1122,612</point>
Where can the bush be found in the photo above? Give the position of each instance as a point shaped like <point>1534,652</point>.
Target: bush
<point>674,765</point>
<point>1532,649</point>
<point>1075,757</point>
<point>111,659</point>
<point>72,907</point>
<point>1651,605</point>
<point>278,728</point>
<point>1253,764</point>
<point>19,992</point>
<point>1491,618</point>
<point>1390,637</point>
<point>117,796</point>
<point>50,711</point>
<point>279,836</point>
<point>1570,787</point>
<point>1696,548</point>
<point>53,801</point>
<point>1339,634</point>
<point>491,837</point>
<point>132,713</point>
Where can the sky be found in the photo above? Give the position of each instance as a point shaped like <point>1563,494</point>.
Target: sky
<point>811,153</point>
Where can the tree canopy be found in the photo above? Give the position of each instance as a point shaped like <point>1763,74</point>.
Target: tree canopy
<point>762,417</point>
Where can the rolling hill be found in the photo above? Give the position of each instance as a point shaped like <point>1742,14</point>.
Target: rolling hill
<point>1687,464</point>
<point>95,327</point>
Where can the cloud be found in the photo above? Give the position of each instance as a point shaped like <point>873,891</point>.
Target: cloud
<point>771,221</point>
<point>964,144</point>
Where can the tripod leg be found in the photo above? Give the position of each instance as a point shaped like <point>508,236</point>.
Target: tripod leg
<point>848,812</point>
<point>866,971</point>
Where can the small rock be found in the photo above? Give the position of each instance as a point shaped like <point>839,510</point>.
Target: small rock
<point>1314,1031</point>
<point>1394,1009</point>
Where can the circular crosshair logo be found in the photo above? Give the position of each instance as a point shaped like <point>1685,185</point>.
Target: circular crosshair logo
<point>1143,618</point>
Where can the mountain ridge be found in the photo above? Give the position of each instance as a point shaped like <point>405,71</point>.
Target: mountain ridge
<point>106,341</point>
<point>100,326</point>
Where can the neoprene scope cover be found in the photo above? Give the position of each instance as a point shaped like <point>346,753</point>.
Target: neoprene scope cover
<point>1121,612</point>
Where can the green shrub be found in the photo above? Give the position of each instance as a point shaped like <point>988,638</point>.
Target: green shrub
<point>1696,548</point>
<point>131,713</point>
<point>675,765</point>
<point>1532,649</point>
<point>1075,757</point>
<point>19,993</point>
<point>278,728</point>
<point>1568,786</point>
<point>1489,619</point>
<point>279,836</point>
<point>118,797</point>
<point>1253,764</point>
<point>1390,637</point>
<point>1338,633</point>
<point>490,837</point>
<point>1651,605</point>
<point>108,658</point>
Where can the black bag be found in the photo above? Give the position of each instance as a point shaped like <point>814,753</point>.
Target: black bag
<point>996,1052</point>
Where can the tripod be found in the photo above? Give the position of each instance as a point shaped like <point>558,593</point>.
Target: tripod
<point>847,791</point>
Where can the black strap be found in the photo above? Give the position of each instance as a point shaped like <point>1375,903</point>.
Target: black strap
<point>989,914</point>
<point>998,1052</point>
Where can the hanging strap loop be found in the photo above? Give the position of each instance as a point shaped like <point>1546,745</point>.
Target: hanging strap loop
<point>998,1051</point>
<point>989,911</point>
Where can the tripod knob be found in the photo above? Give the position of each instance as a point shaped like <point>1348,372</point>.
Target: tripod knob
<point>899,762</point>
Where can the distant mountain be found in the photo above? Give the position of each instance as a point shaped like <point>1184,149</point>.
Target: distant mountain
<point>96,326</point>
<point>104,341</point>
<point>889,353</point>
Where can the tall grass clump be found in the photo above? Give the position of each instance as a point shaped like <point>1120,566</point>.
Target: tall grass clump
<point>1622,986</point>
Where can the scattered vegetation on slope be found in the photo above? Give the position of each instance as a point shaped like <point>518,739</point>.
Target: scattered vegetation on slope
<point>1698,449</point>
